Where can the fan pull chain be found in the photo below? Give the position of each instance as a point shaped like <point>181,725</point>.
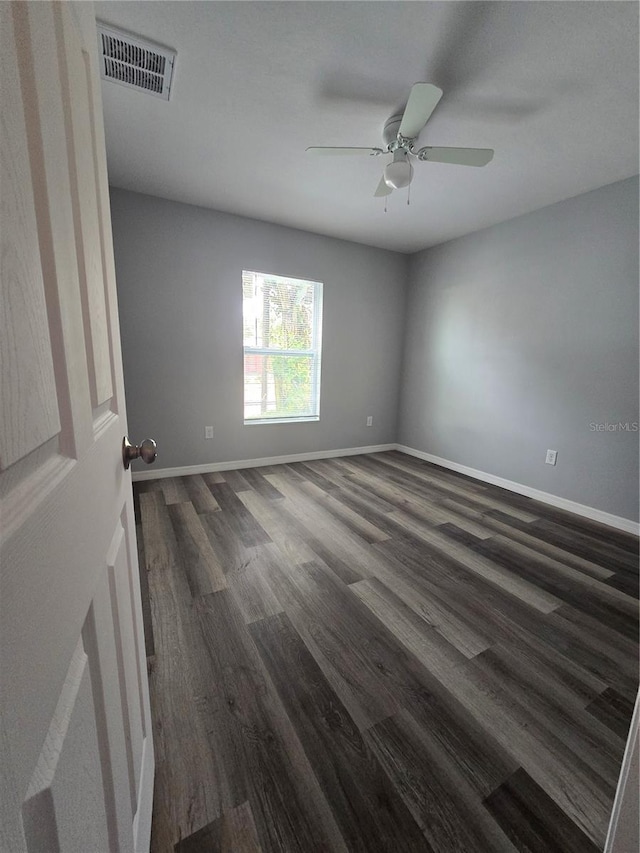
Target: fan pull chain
<point>385,203</point>
<point>409,195</point>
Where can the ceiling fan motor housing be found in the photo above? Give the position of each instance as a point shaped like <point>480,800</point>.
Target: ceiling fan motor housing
<point>391,128</point>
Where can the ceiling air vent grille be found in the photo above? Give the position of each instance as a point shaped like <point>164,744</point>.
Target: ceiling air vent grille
<point>131,62</point>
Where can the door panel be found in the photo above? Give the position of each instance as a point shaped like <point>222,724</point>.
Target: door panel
<point>69,761</point>
<point>80,124</point>
<point>100,645</point>
<point>25,348</point>
<point>76,750</point>
<point>123,627</point>
<point>41,84</point>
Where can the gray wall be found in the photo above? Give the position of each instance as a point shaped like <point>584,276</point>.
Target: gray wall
<point>179,288</point>
<point>521,335</point>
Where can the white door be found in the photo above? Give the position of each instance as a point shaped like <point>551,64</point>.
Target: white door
<point>76,754</point>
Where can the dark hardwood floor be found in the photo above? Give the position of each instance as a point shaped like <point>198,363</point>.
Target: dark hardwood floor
<point>375,654</point>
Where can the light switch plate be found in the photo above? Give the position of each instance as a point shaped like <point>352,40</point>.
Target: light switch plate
<point>552,455</point>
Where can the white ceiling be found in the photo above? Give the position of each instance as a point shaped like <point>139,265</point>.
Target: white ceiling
<point>551,86</point>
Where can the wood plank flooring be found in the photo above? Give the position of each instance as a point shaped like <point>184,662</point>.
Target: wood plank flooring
<point>376,654</point>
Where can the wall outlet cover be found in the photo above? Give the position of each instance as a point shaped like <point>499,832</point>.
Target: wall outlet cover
<point>552,455</point>
<point>208,432</point>
<point>369,420</point>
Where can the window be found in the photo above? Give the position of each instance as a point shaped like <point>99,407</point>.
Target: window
<point>282,330</point>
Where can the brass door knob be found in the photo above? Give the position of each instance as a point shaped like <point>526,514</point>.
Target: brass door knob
<point>146,450</point>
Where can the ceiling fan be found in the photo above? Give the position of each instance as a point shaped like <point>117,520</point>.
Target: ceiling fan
<point>400,134</point>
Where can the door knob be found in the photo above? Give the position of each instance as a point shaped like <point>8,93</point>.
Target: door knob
<point>146,450</point>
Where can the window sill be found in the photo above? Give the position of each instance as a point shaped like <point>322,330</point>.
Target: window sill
<point>263,421</point>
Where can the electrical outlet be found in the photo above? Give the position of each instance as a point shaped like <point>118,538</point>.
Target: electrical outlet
<point>369,420</point>
<point>552,455</point>
<point>208,432</point>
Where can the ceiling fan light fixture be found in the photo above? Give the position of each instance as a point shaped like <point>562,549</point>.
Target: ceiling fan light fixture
<point>398,174</point>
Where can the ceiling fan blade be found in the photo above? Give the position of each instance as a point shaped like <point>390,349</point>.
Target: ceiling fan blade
<point>382,189</point>
<point>460,156</point>
<point>422,102</point>
<point>328,151</point>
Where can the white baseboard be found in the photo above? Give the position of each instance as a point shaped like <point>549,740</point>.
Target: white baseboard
<point>208,467</point>
<point>625,524</point>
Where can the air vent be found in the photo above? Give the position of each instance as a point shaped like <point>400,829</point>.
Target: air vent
<point>131,62</point>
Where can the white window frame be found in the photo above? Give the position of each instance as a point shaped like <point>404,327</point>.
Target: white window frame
<point>315,353</point>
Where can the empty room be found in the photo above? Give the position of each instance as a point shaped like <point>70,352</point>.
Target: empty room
<point>319,421</point>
